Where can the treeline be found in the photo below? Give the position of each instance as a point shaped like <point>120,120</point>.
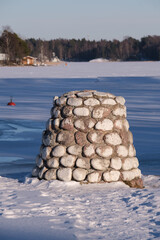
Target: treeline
<point>130,49</point>
<point>148,48</point>
<point>13,46</point>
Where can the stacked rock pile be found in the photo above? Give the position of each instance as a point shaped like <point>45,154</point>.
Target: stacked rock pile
<point>87,139</point>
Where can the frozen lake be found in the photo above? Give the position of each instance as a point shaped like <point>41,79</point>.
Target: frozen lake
<point>33,209</point>
<point>21,126</point>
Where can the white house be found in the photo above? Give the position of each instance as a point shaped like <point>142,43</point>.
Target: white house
<point>3,56</point>
<point>55,59</point>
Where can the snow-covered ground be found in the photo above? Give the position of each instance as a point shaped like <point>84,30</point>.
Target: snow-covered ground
<point>84,70</point>
<point>33,209</point>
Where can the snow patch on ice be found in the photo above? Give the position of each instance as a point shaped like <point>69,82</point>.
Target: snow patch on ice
<point>99,60</point>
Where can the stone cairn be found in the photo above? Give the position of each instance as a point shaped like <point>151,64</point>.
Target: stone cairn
<point>87,139</point>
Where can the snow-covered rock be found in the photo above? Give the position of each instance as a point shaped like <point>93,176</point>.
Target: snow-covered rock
<point>94,177</point>
<point>112,176</point>
<point>79,174</point>
<point>64,174</point>
<point>100,164</point>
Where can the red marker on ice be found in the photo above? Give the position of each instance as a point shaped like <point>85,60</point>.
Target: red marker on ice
<point>11,103</point>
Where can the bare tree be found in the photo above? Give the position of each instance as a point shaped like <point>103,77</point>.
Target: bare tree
<point>7,40</point>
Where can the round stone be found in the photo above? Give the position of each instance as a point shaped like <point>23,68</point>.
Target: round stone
<point>120,100</point>
<point>120,111</point>
<point>100,164</point>
<point>116,163</point>
<point>74,102</point>
<point>46,152</point>
<point>95,136</point>
<point>53,162</point>
<point>79,124</point>
<point>84,124</point>
<point>67,124</point>
<point>94,177</point>
<point>64,174</point>
<point>49,124</point>
<point>50,174</point>
<point>104,151</point>
<point>48,138</point>
<point>55,112</point>
<point>126,124</point>
<point>89,122</point>
<point>88,150</point>
<point>102,94</point>
<point>65,138</point>
<point>100,112</point>
<point>68,161</point>
<point>41,172</point>
<point>136,183</point>
<point>67,111</point>
<point>104,125</point>
<point>91,102</point>
<point>41,149</point>
<point>83,163</point>
<point>130,137</point>
<point>39,161</point>
<point>122,151</point>
<point>84,94</point>
<point>110,95</point>
<point>80,138</point>
<point>70,94</point>
<point>124,136</point>
<point>74,150</point>
<point>113,139</point>
<point>112,176</point>
<point>130,163</point>
<point>81,111</point>
<point>35,172</point>
<point>108,101</point>
<point>131,174</point>
<point>79,174</point>
<point>56,123</point>
<point>131,151</point>
<point>118,124</point>
<point>58,151</point>
<point>54,99</point>
<point>60,101</point>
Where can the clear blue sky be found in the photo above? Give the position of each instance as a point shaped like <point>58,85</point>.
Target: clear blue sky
<point>92,19</point>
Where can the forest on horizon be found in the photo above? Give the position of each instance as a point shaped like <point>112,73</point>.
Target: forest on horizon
<point>129,49</point>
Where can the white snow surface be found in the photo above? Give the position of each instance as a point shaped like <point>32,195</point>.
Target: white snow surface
<point>84,70</point>
<point>31,209</point>
<point>58,210</point>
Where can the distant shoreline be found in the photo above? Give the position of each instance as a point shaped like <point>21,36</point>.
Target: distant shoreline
<point>67,62</point>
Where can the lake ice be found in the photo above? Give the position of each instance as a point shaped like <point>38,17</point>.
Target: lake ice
<point>80,215</point>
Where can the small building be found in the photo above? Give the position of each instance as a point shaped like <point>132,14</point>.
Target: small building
<point>4,57</point>
<point>29,61</point>
<point>55,59</point>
